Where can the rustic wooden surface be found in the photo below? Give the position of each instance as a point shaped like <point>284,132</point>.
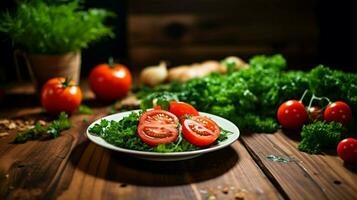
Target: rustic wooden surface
<point>71,167</point>
<point>190,31</point>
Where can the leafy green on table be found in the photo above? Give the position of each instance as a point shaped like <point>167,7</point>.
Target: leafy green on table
<point>161,99</point>
<point>276,158</point>
<point>53,130</point>
<point>83,109</point>
<point>251,97</point>
<point>320,135</point>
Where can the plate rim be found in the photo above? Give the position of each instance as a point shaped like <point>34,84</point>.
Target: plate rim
<point>94,138</point>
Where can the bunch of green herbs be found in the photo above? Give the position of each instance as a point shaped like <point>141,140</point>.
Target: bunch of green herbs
<point>54,28</point>
<point>320,135</point>
<point>251,97</point>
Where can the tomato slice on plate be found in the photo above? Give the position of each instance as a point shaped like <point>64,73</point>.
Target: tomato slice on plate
<point>200,131</point>
<point>181,108</point>
<point>158,117</point>
<point>158,127</point>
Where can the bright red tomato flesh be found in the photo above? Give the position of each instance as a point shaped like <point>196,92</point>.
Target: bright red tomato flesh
<point>200,131</point>
<point>292,114</point>
<point>181,109</point>
<point>158,127</point>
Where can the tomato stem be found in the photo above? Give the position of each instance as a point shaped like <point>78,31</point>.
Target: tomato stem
<point>111,62</point>
<point>303,96</point>
<point>317,98</point>
<point>66,83</point>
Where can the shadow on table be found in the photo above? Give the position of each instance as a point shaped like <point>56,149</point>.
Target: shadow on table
<point>20,100</point>
<point>126,169</point>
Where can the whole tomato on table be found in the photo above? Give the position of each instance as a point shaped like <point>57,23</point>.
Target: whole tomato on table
<point>347,150</point>
<point>339,112</point>
<point>60,94</point>
<point>292,114</point>
<point>110,81</point>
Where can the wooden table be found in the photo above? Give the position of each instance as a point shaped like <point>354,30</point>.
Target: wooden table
<point>72,167</point>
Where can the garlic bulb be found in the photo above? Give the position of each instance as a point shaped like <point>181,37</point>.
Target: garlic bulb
<point>154,75</point>
<point>239,63</point>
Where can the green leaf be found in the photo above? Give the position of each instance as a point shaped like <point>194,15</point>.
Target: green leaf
<point>54,28</point>
<point>83,109</point>
<point>53,130</point>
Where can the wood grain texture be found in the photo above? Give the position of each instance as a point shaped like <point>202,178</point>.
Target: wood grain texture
<point>108,175</point>
<point>30,170</point>
<point>214,6</point>
<point>305,176</point>
<point>186,31</point>
<point>71,167</point>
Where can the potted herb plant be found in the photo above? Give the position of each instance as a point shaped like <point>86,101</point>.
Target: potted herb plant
<point>51,36</point>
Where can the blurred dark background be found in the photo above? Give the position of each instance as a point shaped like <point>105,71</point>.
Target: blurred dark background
<point>306,32</point>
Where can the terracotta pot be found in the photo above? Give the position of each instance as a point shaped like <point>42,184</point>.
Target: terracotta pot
<point>44,67</point>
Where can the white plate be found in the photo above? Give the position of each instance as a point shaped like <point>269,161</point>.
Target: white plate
<point>223,123</point>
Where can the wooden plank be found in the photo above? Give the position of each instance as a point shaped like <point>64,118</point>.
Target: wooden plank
<point>221,30</point>
<point>30,170</point>
<point>216,6</point>
<point>70,167</point>
<point>305,176</point>
<point>120,176</point>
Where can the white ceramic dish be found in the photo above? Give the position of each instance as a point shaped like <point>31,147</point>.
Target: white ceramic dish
<point>223,123</point>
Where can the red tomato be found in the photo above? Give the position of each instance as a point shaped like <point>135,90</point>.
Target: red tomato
<point>347,150</point>
<point>181,108</point>
<point>158,127</point>
<point>200,131</point>
<point>339,112</point>
<point>59,95</point>
<point>315,113</point>
<point>110,82</point>
<point>292,114</point>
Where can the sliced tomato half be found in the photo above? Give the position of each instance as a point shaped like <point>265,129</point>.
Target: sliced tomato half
<point>158,127</point>
<point>158,117</point>
<point>200,131</point>
<point>181,108</point>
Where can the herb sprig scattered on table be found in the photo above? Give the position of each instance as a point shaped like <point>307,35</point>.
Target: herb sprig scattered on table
<point>53,130</point>
<point>83,109</point>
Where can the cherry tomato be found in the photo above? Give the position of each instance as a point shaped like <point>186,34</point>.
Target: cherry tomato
<point>59,94</point>
<point>292,114</point>
<point>158,127</point>
<point>181,108</point>
<point>110,81</point>
<point>339,112</point>
<point>200,131</point>
<point>347,150</point>
<point>315,113</point>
